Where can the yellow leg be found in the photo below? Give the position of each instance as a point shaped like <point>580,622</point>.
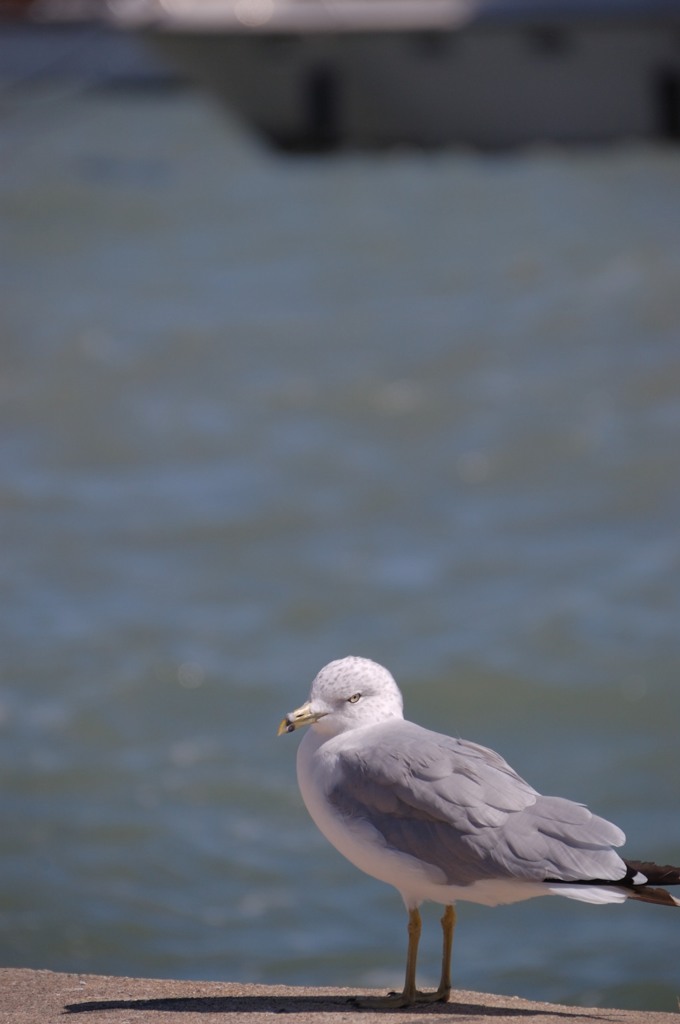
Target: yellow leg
<point>448,924</point>
<point>410,993</point>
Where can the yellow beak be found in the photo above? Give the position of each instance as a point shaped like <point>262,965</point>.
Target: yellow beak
<point>301,716</point>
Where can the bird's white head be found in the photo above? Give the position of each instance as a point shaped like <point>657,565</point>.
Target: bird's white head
<point>347,694</point>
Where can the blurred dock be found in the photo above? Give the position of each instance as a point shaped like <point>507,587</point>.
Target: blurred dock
<point>322,74</point>
<point>318,74</point>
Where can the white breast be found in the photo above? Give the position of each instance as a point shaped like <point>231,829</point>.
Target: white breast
<point>356,839</point>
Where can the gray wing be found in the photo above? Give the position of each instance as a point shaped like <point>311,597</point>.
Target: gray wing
<point>462,808</point>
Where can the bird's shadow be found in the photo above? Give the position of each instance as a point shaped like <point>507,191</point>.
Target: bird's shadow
<point>305,1004</point>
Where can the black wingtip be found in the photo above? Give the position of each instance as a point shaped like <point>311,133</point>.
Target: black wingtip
<point>656,874</point>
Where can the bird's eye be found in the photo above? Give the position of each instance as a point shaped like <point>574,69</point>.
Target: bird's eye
<point>354,698</point>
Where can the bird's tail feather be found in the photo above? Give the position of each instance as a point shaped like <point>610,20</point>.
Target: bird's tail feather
<point>653,894</point>
<point>643,881</point>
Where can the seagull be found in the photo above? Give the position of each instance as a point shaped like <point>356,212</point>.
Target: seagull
<point>445,819</point>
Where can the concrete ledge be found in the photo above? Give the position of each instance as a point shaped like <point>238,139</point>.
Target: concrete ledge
<point>44,997</point>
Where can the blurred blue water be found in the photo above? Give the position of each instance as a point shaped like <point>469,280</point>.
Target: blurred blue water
<point>256,414</point>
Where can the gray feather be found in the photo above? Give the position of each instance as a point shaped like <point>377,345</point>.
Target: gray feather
<point>462,808</point>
